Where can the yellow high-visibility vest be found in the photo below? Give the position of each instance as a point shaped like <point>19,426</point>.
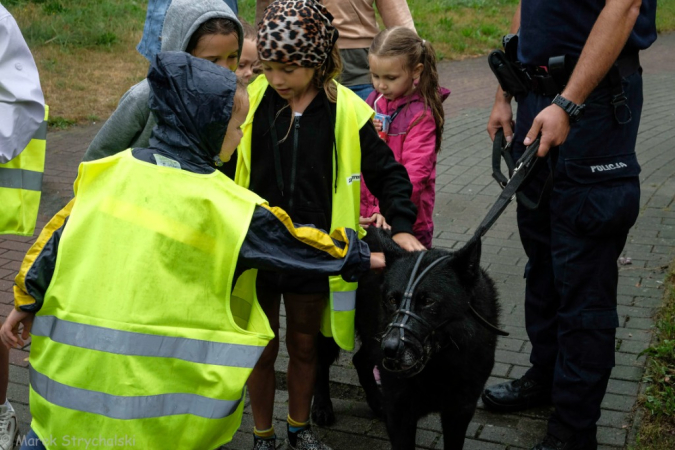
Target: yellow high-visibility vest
<point>21,185</point>
<point>352,113</point>
<point>138,341</point>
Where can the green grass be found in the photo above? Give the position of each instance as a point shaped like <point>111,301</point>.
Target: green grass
<point>85,53</point>
<point>657,432</point>
<point>665,16</point>
<point>76,24</point>
<point>85,49</point>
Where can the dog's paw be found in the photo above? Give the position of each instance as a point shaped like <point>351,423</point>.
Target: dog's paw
<point>322,412</point>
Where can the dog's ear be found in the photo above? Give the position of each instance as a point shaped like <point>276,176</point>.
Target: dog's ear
<point>466,260</point>
<point>391,249</point>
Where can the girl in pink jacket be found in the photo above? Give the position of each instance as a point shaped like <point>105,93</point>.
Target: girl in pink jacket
<point>409,116</point>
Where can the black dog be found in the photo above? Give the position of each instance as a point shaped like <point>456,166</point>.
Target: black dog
<point>425,326</point>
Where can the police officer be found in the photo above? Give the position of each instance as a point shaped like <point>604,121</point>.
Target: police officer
<point>588,125</point>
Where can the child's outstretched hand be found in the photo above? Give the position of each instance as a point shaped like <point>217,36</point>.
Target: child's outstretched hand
<point>408,242</point>
<point>376,219</point>
<point>9,333</point>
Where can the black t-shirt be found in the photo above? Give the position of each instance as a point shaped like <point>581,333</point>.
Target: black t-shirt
<point>300,181</point>
<point>553,28</point>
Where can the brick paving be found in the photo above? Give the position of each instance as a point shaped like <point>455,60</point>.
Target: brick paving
<point>465,191</point>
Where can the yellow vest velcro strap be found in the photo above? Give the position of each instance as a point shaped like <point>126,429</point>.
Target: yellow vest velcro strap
<point>141,344</point>
<point>128,408</point>
<point>344,301</point>
<point>20,179</point>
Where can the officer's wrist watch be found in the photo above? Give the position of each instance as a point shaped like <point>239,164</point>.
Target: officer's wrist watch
<point>574,111</point>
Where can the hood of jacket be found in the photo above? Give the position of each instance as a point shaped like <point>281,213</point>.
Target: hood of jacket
<point>192,101</point>
<point>184,17</point>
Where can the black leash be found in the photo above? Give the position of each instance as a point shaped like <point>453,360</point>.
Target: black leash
<point>502,149</point>
<point>521,171</point>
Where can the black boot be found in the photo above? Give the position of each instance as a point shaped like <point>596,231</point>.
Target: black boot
<point>516,395</point>
<point>551,442</point>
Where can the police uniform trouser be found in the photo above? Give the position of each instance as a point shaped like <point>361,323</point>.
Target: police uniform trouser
<point>572,242</point>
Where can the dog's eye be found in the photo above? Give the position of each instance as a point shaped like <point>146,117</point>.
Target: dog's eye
<point>428,301</point>
<point>392,300</point>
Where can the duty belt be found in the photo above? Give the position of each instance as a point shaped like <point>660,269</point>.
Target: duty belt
<point>518,79</point>
<point>551,79</point>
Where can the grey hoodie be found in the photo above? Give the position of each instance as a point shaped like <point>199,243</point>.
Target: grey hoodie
<point>131,123</point>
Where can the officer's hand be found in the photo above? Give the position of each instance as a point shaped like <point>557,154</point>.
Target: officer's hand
<point>501,117</point>
<point>9,333</point>
<point>408,242</point>
<point>554,125</point>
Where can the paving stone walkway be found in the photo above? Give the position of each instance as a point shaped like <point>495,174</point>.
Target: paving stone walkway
<point>465,192</point>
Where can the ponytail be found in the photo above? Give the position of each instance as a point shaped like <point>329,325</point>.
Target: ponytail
<point>405,43</point>
<point>429,89</point>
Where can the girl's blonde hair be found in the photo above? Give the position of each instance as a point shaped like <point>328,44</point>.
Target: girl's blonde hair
<point>324,76</point>
<point>405,43</point>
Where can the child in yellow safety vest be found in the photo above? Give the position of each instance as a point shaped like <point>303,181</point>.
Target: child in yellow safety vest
<point>307,141</point>
<point>137,332</point>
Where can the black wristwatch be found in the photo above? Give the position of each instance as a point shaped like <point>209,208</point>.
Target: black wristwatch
<point>574,111</point>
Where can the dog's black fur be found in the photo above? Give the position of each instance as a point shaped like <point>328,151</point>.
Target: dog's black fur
<point>458,360</point>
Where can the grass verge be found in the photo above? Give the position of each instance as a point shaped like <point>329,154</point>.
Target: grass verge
<point>85,53</point>
<point>85,50</point>
<point>657,430</point>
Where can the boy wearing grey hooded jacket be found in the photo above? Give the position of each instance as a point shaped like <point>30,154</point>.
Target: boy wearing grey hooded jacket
<point>131,123</point>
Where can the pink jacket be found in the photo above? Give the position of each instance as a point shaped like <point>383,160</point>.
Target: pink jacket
<point>414,146</point>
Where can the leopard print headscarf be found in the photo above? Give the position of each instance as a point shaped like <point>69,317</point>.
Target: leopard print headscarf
<point>296,31</point>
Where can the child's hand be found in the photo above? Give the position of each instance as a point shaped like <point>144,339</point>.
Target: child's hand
<point>9,333</point>
<point>380,222</point>
<point>376,219</point>
<point>378,124</point>
<point>365,222</point>
<point>377,261</point>
<point>408,242</point>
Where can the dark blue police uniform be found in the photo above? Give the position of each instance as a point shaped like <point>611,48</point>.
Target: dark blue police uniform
<point>573,240</point>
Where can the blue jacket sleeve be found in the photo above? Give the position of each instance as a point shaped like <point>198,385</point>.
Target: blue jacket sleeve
<point>275,243</point>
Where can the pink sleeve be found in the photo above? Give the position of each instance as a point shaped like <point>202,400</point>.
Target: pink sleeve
<point>419,154</point>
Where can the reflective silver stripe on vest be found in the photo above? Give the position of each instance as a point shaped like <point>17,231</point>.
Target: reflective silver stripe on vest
<point>140,344</point>
<point>20,179</point>
<point>41,132</point>
<point>124,407</point>
<point>344,301</point>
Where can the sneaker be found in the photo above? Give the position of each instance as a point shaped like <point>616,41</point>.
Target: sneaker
<point>264,444</point>
<point>307,440</point>
<point>8,427</point>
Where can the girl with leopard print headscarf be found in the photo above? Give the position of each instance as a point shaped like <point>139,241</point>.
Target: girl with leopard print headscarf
<point>307,141</point>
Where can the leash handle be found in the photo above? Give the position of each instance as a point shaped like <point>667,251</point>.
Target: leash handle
<point>499,145</point>
<point>521,171</point>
